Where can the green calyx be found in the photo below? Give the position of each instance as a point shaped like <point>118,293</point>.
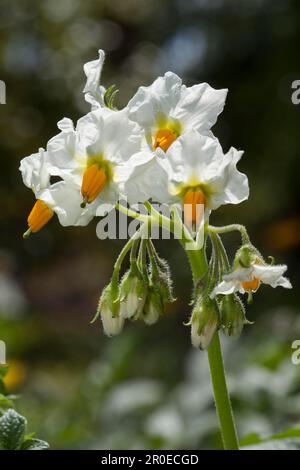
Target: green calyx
<point>205,321</point>
<point>246,256</point>
<point>133,291</point>
<point>233,316</point>
<point>109,301</point>
<point>153,307</point>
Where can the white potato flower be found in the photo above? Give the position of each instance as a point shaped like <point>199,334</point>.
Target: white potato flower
<point>194,173</point>
<point>61,197</point>
<point>167,109</point>
<point>92,156</point>
<point>248,280</point>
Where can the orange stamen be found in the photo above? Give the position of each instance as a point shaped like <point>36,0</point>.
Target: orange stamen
<point>164,138</point>
<point>93,182</point>
<point>39,216</point>
<point>193,202</point>
<point>251,286</point>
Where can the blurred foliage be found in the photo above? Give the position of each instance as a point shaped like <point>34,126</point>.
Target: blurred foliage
<point>13,426</point>
<point>146,389</point>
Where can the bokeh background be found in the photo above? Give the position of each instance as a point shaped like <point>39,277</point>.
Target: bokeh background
<point>147,388</point>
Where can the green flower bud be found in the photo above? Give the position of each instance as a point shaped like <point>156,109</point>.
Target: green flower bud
<point>153,308</point>
<point>204,322</point>
<point>246,256</point>
<point>109,310</point>
<point>161,278</point>
<point>133,292</point>
<point>233,316</point>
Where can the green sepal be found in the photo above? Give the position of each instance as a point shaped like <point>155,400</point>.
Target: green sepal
<point>233,317</point>
<point>109,96</point>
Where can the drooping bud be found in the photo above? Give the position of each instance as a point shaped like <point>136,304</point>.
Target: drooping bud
<point>233,316</point>
<point>153,308</point>
<point>133,292</point>
<point>109,310</point>
<point>204,322</point>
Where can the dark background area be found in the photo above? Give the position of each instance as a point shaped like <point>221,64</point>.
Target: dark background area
<point>146,388</point>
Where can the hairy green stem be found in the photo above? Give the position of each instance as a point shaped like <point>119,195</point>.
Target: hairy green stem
<point>231,228</point>
<point>198,263</point>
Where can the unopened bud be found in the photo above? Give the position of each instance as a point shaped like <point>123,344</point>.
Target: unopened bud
<point>246,256</point>
<point>204,322</point>
<point>233,316</point>
<point>161,278</point>
<point>133,291</point>
<point>153,308</point>
<point>109,309</point>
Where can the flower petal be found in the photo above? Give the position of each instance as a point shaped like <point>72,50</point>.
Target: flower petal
<point>225,288</point>
<point>35,171</point>
<point>94,93</point>
<point>272,275</point>
<point>65,199</point>
<point>229,186</point>
<point>199,106</point>
<point>145,177</point>
<point>158,99</point>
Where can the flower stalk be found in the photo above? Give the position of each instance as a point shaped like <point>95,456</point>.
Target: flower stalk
<point>199,268</point>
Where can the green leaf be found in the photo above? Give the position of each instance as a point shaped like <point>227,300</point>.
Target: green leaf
<point>289,439</point>
<point>34,444</point>
<point>12,430</point>
<point>276,444</point>
<point>5,403</point>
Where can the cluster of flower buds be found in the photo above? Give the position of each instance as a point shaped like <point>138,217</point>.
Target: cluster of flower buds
<point>142,294</point>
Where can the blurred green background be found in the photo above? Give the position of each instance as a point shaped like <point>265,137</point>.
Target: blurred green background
<point>147,388</point>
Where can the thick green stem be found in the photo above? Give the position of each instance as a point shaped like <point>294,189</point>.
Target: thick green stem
<point>222,399</point>
<point>198,263</point>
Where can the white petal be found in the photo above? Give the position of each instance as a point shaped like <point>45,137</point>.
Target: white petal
<point>144,177</point>
<point>111,325</point>
<point>61,150</point>
<point>225,288</point>
<point>35,171</point>
<point>65,199</point>
<point>240,274</point>
<point>159,99</point>
<point>272,275</point>
<point>117,139</point>
<point>228,185</point>
<point>199,159</point>
<point>93,92</point>
<point>203,340</point>
<point>194,157</point>
<point>65,125</point>
<point>199,106</point>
